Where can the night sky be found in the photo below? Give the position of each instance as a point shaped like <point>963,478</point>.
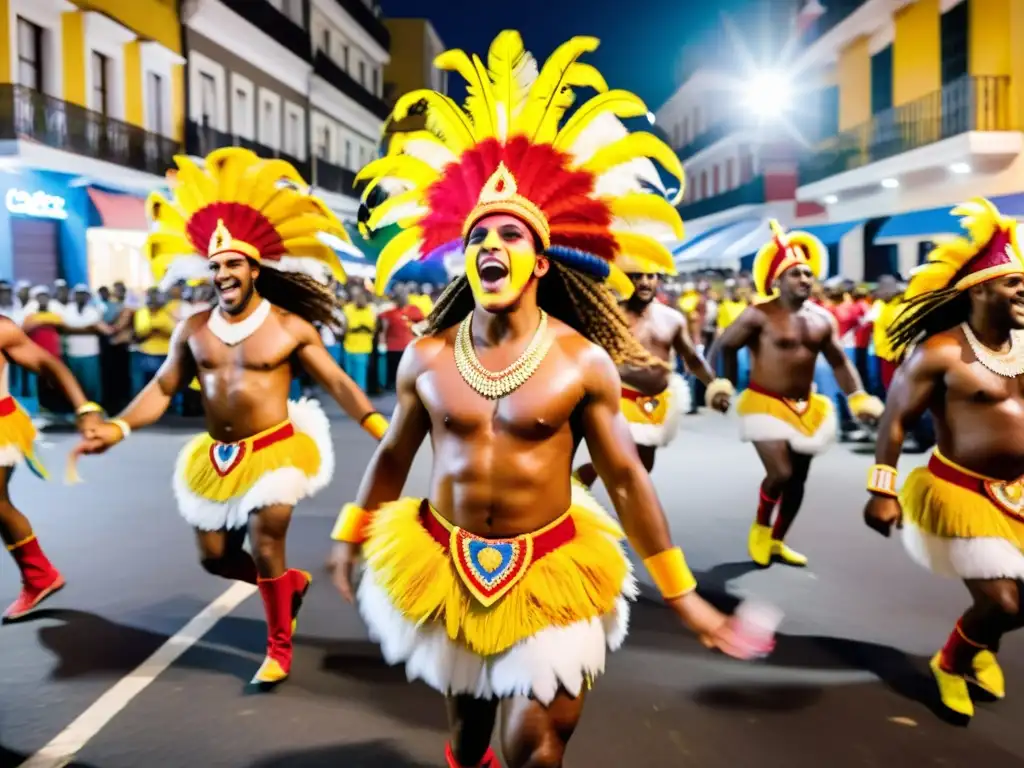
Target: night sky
<point>640,51</point>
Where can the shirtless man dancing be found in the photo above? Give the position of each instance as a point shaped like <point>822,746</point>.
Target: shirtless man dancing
<point>783,417</point>
<point>256,230</point>
<point>653,399</point>
<point>506,585</point>
<point>39,579</point>
<point>963,514</point>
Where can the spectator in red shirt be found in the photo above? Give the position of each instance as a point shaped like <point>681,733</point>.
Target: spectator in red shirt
<point>42,322</point>
<point>398,322</point>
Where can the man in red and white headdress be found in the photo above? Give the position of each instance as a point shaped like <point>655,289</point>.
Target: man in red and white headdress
<point>783,417</point>
<point>250,225</point>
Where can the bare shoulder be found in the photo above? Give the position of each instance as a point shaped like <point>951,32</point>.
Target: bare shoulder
<point>193,323</point>
<point>590,358</point>
<point>423,351</point>
<point>10,332</point>
<point>663,313</point>
<point>297,327</point>
<point>937,353</point>
<point>818,314</point>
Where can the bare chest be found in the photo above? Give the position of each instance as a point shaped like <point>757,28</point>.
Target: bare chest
<point>538,410</point>
<point>654,331</point>
<point>974,383</point>
<point>267,349</point>
<point>795,333</point>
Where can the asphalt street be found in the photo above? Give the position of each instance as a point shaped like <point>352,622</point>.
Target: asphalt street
<point>847,685</point>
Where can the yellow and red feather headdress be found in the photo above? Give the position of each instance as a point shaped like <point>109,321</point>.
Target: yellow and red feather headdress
<point>786,250</point>
<point>579,185</point>
<point>990,250</point>
<point>240,203</point>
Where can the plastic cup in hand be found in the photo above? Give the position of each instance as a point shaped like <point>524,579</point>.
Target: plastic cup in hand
<point>755,624</point>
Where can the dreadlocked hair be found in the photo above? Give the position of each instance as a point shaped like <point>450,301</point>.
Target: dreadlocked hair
<point>300,294</point>
<point>926,315</point>
<point>581,302</point>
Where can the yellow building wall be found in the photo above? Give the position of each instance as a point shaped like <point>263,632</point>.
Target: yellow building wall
<point>151,19</point>
<point>853,76</point>
<point>133,109</point>
<point>5,36</point>
<point>73,56</point>
<point>178,102</point>
<point>409,67</point>
<point>1016,65</point>
<point>989,57</point>
<point>916,52</point>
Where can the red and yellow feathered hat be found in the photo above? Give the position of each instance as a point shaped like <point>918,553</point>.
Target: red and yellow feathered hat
<point>990,250</point>
<point>785,250</point>
<point>581,186</point>
<point>240,203</point>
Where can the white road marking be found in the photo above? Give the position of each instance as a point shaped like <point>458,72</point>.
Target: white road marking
<point>65,745</point>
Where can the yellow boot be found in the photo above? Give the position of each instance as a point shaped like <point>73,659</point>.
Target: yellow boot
<point>759,544</point>
<point>787,555</point>
<point>987,674</point>
<point>952,689</point>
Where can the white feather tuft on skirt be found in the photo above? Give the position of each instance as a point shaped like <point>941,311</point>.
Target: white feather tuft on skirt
<point>660,435</point>
<point>758,427</point>
<point>554,658</point>
<point>988,557</point>
<point>288,485</point>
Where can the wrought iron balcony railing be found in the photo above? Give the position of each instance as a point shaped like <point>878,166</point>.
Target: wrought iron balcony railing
<point>334,178</point>
<point>200,140</point>
<point>972,103</point>
<point>276,24</point>
<point>28,114</point>
<point>750,193</point>
<point>324,66</point>
<point>369,19</point>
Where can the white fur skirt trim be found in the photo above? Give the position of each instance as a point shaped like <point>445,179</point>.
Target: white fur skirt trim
<point>554,658</point>
<point>660,435</point>
<point>287,485</point>
<point>759,427</point>
<point>987,557</point>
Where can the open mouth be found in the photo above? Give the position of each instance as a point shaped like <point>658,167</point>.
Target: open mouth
<point>230,290</point>
<point>492,274</point>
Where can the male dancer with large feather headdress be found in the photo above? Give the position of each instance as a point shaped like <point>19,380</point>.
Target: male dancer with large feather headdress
<point>505,587</point>
<point>250,225</point>
<point>783,417</point>
<point>963,514</point>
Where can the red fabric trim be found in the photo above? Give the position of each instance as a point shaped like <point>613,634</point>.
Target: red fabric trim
<point>8,406</point>
<point>543,543</point>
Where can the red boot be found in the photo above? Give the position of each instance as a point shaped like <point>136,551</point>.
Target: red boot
<point>282,599</point>
<point>490,760</point>
<point>39,578</point>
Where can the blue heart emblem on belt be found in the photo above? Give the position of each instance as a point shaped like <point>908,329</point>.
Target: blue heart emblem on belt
<point>225,457</point>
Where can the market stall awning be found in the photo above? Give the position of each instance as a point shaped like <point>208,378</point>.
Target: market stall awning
<point>918,225</point>
<point>712,249</point>
<point>832,233</point>
<point>119,211</point>
<point>938,222</point>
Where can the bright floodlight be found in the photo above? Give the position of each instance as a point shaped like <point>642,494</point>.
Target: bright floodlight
<point>768,94</point>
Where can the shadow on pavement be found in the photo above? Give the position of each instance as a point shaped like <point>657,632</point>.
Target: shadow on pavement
<point>371,754</point>
<point>655,627</point>
<point>11,759</point>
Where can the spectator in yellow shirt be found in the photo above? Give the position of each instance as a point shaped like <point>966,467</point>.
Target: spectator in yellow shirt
<point>360,329</point>
<point>731,307</point>
<point>154,325</point>
<point>421,298</point>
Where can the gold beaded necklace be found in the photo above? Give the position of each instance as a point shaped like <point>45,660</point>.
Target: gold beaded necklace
<point>495,385</point>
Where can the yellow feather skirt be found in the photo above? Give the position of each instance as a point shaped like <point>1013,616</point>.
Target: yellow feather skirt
<point>809,426</point>
<point>961,524</point>
<point>654,421</point>
<point>550,630</point>
<point>17,437</point>
<point>217,485</point>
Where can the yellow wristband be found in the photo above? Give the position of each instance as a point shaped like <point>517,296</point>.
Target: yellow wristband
<point>716,388</point>
<point>375,424</point>
<point>351,524</point>
<point>89,407</point>
<point>882,480</point>
<point>862,404</point>
<point>123,426</point>
<point>671,574</point>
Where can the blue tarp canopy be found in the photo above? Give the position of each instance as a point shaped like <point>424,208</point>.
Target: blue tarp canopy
<point>831,234</point>
<point>923,225</point>
<point>708,250</point>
